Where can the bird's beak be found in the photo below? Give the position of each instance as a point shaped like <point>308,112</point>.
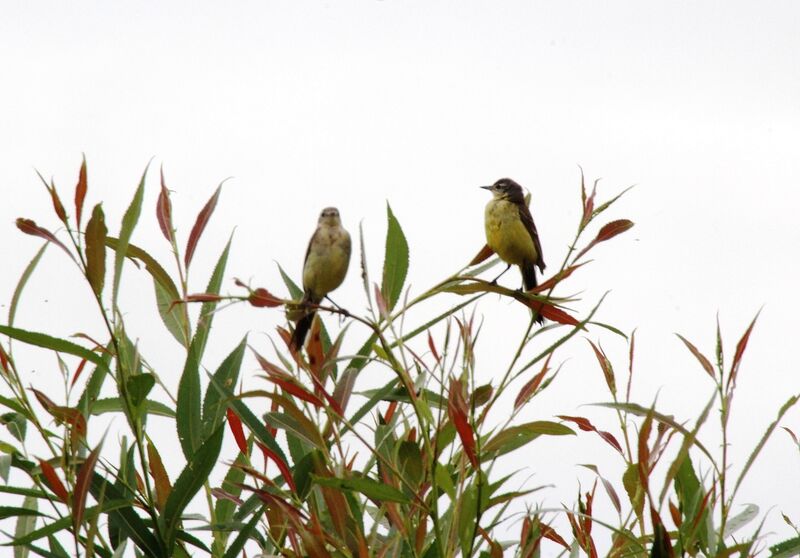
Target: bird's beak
<point>486,187</point>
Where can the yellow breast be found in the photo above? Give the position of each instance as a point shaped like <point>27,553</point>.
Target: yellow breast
<point>506,234</point>
<point>327,261</point>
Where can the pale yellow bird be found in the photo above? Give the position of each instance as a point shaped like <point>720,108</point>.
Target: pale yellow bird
<point>324,268</point>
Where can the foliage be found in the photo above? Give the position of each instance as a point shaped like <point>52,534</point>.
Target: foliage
<point>409,472</point>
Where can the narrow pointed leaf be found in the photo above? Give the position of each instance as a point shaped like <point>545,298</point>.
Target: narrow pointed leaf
<point>164,211</point>
<point>54,343</point>
<point>96,233</point>
<point>80,192</point>
<point>159,473</point>
<point>23,280</point>
<point>227,375</point>
<point>53,481</point>
<point>207,311</point>
<point>200,225</point>
<point>82,482</point>
<point>395,264</point>
<point>374,490</point>
<point>187,418</point>
<point>704,362</point>
<point>129,221</point>
<point>30,227</point>
<point>189,482</point>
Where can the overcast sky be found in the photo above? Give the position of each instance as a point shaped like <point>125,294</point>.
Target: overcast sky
<point>353,104</point>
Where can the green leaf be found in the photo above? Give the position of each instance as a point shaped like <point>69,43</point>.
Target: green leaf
<point>227,375</point>
<point>9,511</point>
<point>235,549</point>
<point>166,291</point>
<point>188,483</point>
<point>785,549</point>
<point>23,280</point>
<point>395,263</point>
<point>96,233</point>
<point>294,291</point>
<point>25,526</point>
<point>124,517</point>
<point>248,418</point>
<point>54,343</point>
<point>517,436</point>
<point>372,489</point>
<point>188,408</point>
<point>138,387</point>
<point>129,221</point>
<point>92,390</point>
<point>467,513</point>
<point>172,316</point>
<point>207,310</point>
<point>115,405</point>
<point>304,431</point>
<point>224,508</point>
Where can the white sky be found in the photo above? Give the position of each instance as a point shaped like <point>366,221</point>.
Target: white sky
<point>355,103</point>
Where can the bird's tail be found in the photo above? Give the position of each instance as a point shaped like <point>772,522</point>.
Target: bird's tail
<point>528,275</point>
<point>304,323</point>
<point>301,330</point>
<point>529,281</point>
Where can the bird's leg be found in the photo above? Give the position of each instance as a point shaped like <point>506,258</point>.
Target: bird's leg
<point>494,281</point>
<point>342,310</point>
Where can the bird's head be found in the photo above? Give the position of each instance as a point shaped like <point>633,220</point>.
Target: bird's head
<point>506,189</point>
<point>329,216</point>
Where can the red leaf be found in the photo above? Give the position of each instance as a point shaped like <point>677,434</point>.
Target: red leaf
<point>791,434</point>
<point>737,357</point>
<point>4,364</point>
<point>82,483</point>
<point>676,514</point>
<point>588,202</point>
<point>457,411</point>
<point>585,425</point>
<point>68,415</point>
<point>284,469</point>
<point>52,480</point>
<point>550,533</point>
<point>390,409</point>
<point>382,307</point>
<point>203,297</point>
<point>550,312</point>
<point>612,229</point>
<point>704,362</point>
<point>159,473</point>
<point>200,225</point>
<point>261,298</point>
<point>432,347</point>
<point>662,546</point>
<point>481,256</point>
<point>286,381</point>
<point>235,424</point>
<point>532,385</point>
<point>608,231</point>
<point>77,374</point>
<point>58,207</point>
<point>80,192</point>
<point>316,356</point>
<point>164,211</point>
<point>223,495</point>
<point>556,279</point>
<point>30,227</point>
<point>605,365</point>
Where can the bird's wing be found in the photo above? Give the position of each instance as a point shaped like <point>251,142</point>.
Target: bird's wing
<point>527,220</point>
<point>310,242</point>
